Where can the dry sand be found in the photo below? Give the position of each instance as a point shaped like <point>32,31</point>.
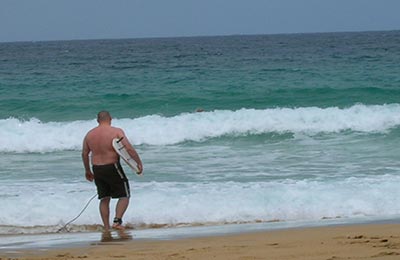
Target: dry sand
<point>372,241</point>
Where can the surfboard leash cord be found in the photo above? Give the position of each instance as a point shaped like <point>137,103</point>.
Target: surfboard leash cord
<point>80,213</point>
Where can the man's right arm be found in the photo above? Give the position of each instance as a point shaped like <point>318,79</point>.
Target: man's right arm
<point>132,152</point>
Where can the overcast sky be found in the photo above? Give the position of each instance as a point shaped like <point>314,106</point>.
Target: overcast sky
<point>34,20</point>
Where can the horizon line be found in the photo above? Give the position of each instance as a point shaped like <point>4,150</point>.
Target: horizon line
<point>193,36</point>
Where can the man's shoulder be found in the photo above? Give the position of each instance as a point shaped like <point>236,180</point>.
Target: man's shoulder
<point>91,131</point>
<point>104,130</point>
<point>116,128</point>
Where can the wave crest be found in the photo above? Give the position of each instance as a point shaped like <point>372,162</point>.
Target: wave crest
<point>36,136</point>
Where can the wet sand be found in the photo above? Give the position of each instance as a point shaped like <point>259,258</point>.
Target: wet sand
<point>368,241</point>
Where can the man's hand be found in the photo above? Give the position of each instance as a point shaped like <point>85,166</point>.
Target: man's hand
<point>140,168</point>
<point>89,176</point>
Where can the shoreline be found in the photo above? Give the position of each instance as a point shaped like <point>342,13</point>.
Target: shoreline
<point>353,241</point>
<point>54,240</point>
<point>46,245</point>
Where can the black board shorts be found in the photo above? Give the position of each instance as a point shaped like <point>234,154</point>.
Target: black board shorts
<point>111,181</point>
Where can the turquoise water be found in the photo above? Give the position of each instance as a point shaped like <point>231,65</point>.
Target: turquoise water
<point>59,81</point>
<point>296,127</point>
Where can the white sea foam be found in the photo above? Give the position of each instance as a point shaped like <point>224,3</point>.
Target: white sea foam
<point>36,136</point>
<point>171,203</point>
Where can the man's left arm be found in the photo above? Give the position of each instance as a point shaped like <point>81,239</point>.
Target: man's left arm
<point>85,158</point>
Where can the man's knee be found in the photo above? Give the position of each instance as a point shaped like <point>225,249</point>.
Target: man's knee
<point>105,200</point>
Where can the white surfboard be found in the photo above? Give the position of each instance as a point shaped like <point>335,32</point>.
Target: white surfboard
<point>123,153</point>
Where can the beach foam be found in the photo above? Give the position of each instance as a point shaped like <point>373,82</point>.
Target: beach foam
<point>158,204</point>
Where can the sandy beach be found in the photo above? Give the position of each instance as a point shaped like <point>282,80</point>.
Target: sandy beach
<point>367,241</point>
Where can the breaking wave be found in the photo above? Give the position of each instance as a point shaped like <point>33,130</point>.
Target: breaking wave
<point>36,136</point>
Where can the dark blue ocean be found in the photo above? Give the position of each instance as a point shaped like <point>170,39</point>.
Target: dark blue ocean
<point>295,127</point>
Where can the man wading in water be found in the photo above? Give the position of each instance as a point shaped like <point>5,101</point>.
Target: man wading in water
<point>108,175</point>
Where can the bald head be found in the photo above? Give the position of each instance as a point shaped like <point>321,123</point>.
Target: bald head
<point>103,116</point>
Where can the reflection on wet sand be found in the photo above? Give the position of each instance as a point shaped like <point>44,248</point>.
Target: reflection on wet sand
<point>119,235</point>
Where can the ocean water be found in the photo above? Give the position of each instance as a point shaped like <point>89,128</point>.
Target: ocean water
<point>296,127</point>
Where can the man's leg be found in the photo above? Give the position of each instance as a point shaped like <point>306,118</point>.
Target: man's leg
<point>105,212</point>
<point>120,209</point>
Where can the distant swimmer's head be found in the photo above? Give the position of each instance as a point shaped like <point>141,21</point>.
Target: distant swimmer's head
<point>104,117</point>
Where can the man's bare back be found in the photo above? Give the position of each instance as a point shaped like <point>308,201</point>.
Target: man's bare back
<point>99,141</point>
